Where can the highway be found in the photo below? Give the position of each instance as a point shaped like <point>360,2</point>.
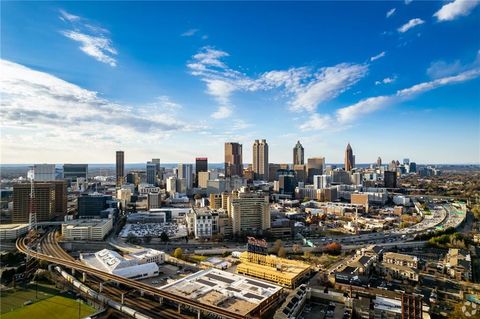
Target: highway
<point>179,300</point>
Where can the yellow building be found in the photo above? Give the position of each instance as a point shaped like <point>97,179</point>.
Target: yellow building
<point>285,272</point>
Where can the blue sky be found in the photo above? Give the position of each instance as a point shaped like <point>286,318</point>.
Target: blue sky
<point>177,80</point>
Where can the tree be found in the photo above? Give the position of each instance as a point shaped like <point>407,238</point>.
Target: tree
<point>277,245</point>
<point>333,248</point>
<point>164,237</point>
<point>282,252</point>
<point>178,253</point>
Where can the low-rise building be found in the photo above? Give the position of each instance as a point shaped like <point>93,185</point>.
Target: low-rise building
<point>12,231</point>
<point>458,264</point>
<point>400,259</point>
<point>86,229</point>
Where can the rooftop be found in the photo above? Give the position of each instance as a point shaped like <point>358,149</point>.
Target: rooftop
<point>232,292</point>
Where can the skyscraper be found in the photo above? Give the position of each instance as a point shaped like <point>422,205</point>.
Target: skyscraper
<point>44,172</point>
<point>233,159</point>
<point>379,162</point>
<point>201,165</point>
<point>185,172</point>
<point>349,158</point>
<point>390,179</point>
<point>43,202</point>
<point>151,173</point>
<point>260,159</point>
<point>315,166</point>
<point>298,154</point>
<point>74,171</point>
<point>120,167</point>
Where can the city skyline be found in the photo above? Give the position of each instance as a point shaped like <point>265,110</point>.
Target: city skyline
<point>180,82</point>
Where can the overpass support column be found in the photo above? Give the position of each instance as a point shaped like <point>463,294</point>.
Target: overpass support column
<point>100,288</point>
<point>123,297</point>
<point>179,310</point>
<point>199,314</point>
<point>160,300</point>
<point>73,272</point>
<point>142,293</point>
<point>84,276</point>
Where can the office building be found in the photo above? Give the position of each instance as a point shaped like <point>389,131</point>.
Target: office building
<point>321,181</point>
<point>185,172</point>
<point>287,183</point>
<point>233,159</point>
<point>390,179</point>
<point>154,200</point>
<point>120,167</point>
<point>260,160</point>
<point>96,206</point>
<point>412,168</point>
<point>61,199</point>
<point>171,185</point>
<point>300,173</point>
<point>349,158</point>
<point>315,166</point>
<point>156,161</point>
<point>72,172</point>
<point>202,179</point>
<point>43,203</point>
<point>379,162</point>
<point>340,176</point>
<point>152,173</point>
<point>44,172</point>
<point>12,231</point>
<point>201,165</point>
<point>273,171</point>
<point>250,212</point>
<point>298,154</point>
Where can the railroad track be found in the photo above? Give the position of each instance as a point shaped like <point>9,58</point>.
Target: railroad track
<point>72,264</point>
<point>50,245</point>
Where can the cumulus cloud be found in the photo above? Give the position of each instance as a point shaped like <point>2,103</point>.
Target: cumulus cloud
<point>378,56</point>
<point>410,24</point>
<point>305,87</point>
<point>391,12</point>
<point>455,9</point>
<point>94,40</point>
<point>50,105</point>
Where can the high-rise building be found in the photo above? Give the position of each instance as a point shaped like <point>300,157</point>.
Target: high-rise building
<point>298,154</point>
<point>171,185</point>
<point>249,212</point>
<point>287,183</point>
<point>315,166</point>
<point>201,165</point>
<point>151,173</point>
<point>120,167</point>
<point>349,158</point>
<point>61,199</point>
<point>379,162</point>
<point>154,200</point>
<point>406,161</point>
<point>260,159</point>
<point>233,159</point>
<point>44,172</point>
<point>412,167</point>
<point>43,204</point>
<point>72,172</point>
<point>390,179</point>
<point>185,172</point>
<point>96,206</point>
<point>300,173</point>
<point>321,181</point>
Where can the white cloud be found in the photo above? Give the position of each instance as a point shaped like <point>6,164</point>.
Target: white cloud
<point>349,114</point>
<point>94,39</point>
<point>317,122</point>
<point>41,107</point>
<point>391,12</point>
<point>306,88</point>
<point>97,47</point>
<point>410,24</point>
<point>378,56</point>
<point>222,113</point>
<point>64,15</point>
<point>455,9</point>
<point>189,33</point>
<point>386,80</point>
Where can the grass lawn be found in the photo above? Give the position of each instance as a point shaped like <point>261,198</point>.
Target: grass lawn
<point>11,300</point>
<point>56,307</point>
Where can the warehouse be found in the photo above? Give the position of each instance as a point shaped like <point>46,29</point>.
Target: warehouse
<point>235,293</point>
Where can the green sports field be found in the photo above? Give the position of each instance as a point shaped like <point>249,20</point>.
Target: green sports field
<point>49,304</point>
